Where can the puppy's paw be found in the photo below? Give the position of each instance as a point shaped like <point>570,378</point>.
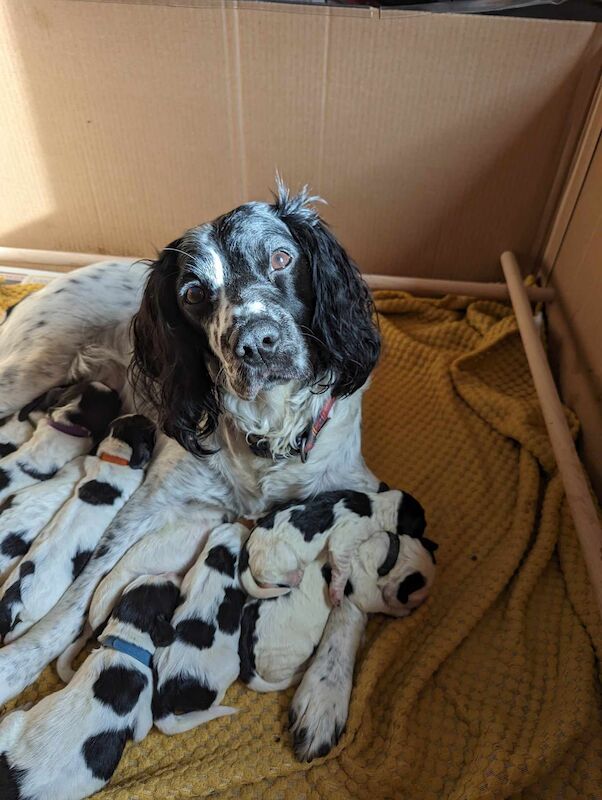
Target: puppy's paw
<point>317,716</point>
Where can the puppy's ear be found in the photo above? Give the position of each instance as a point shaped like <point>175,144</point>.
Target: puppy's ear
<point>346,337</point>
<point>168,366</point>
<point>43,402</point>
<point>163,633</point>
<point>143,447</point>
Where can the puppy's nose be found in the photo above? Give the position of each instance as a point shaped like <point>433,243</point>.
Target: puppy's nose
<point>258,341</point>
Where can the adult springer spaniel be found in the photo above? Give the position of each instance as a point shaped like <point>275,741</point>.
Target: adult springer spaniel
<point>249,334</point>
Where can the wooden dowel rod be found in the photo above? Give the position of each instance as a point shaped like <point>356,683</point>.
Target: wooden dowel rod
<point>431,287</point>
<point>571,470</point>
<point>17,257</point>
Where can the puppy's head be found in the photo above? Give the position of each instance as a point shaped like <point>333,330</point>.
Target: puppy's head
<point>407,583</point>
<point>147,604</point>
<point>261,296</point>
<point>271,566</point>
<point>90,405</point>
<point>131,437</point>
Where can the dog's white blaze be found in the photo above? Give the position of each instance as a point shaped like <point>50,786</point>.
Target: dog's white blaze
<point>255,307</point>
<point>218,270</point>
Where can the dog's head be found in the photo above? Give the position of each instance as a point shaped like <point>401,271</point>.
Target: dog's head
<point>91,405</point>
<point>147,604</point>
<point>132,437</point>
<point>262,296</point>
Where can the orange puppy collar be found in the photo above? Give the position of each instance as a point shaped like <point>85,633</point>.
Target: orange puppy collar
<point>114,459</point>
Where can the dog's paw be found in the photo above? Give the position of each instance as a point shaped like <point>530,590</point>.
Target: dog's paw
<point>317,716</point>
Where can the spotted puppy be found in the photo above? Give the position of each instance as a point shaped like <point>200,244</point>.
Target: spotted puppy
<point>78,420</point>
<point>174,548</point>
<point>18,428</point>
<point>69,744</point>
<point>290,537</point>
<point>24,515</point>
<point>193,673</point>
<point>390,574</point>
<point>66,544</point>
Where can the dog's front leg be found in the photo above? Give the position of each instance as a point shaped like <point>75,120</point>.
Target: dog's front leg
<point>318,712</point>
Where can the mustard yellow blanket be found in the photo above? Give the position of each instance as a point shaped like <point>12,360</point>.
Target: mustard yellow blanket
<point>492,688</point>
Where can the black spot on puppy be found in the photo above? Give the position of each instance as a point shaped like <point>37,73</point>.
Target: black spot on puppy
<point>103,752</point>
<point>348,589</point>
<point>359,503</point>
<point>228,615</point>
<point>98,493</point>
<point>247,641</point>
<point>180,695</point>
<point>221,559</point>
<point>327,573</point>
<point>410,585</point>
<point>6,503</point>
<point>148,607</point>
<point>119,688</point>
<point>313,519</point>
<point>195,632</point>
<point>14,545</point>
<point>26,568</point>
<point>11,779</point>
<point>35,473</point>
<point>6,448</point>
<point>79,561</point>
<point>410,517</point>
<point>4,478</point>
<point>243,559</point>
<point>383,487</point>
<point>391,557</point>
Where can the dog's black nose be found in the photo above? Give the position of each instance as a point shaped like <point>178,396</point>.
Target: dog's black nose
<point>258,341</point>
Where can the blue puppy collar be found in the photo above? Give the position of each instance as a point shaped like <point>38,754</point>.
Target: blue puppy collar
<point>139,653</point>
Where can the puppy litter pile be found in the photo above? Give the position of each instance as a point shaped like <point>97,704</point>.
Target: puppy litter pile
<point>492,687</point>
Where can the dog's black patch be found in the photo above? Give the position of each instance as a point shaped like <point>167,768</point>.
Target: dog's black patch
<point>4,478</point>
<point>196,632</point>
<point>101,551</point>
<point>243,559</point>
<point>79,561</point>
<point>431,546</point>
<point>383,487</point>
<point>323,750</point>
<point>327,573</point>
<point>314,518</point>
<point>6,448</point>
<point>26,568</point>
<point>103,752</point>
<point>11,779</point>
<point>359,503</point>
<point>180,695</point>
<point>221,559</point>
<point>98,493</point>
<point>348,589</point>
<point>35,473</point>
<point>14,545</point>
<point>119,688</point>
<point>410,585</point>
<point>410,517</point>
<point>228,616</point>
<point>149,608</point>
<point>6,503</point>
<point>247,640</point>
<point>391,557</point>
<point>12,596</point>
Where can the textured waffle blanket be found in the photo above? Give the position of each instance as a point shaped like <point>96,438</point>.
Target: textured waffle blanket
<point>492,688</point>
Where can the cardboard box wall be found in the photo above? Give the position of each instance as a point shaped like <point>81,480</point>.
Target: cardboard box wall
<point>438,140</point>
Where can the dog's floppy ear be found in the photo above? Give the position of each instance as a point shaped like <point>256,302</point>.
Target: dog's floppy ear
<point>162,633</point>
<point>347,340</point>
<point>168,366</point>
<point>143,446</point>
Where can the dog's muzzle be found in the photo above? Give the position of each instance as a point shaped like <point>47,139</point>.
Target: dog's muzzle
<point>259,343</point>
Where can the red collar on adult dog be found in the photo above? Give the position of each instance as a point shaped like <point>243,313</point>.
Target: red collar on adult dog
<point>305,443</point>
<point>70,430</point>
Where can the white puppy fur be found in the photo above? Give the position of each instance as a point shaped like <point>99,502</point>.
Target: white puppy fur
<point>193,673</point>
<point>48,449</point>
<point>285,541</point>
<point>68,745</point>
<point>66,545</point>
<point>26,513</point>
<point>14,432</point>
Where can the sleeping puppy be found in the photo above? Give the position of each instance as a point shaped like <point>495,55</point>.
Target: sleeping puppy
<point>77,421</point>
<point>193,673</point>
<point>68,745</point>
<point>24,514</point>
<point>290,537</point>
<point>18,428</point>
<point>174,548</point>
<point>67,543</point>
<point>390,574</point>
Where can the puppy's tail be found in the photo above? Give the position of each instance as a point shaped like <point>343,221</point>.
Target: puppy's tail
<point>258,684</point>
<point>179,723</point>
<point>65,660</point>
<point>253,589</point>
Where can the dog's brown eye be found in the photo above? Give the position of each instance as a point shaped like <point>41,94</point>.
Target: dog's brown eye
<point>280,259</point>
<point>194,295</point>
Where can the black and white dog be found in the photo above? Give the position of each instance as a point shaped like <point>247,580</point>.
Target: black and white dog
<point>78,420</point>
<point>194,671</point>
<point>66,544</point>
<point>253,330</point>
<point>69,744</point>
